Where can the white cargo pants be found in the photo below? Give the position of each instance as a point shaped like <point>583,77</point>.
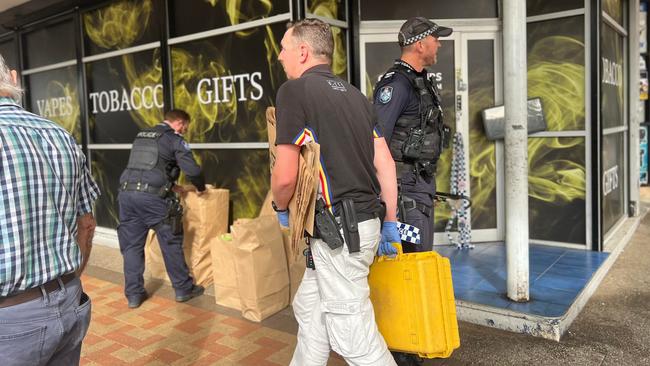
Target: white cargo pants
<point>333,309</point>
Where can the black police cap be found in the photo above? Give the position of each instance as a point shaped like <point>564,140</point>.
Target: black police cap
<point>416,29</point>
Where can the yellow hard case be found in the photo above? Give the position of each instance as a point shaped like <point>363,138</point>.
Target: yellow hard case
<point>413,297</point>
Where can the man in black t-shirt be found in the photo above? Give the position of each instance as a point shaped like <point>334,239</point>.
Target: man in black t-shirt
<point>332,305</point>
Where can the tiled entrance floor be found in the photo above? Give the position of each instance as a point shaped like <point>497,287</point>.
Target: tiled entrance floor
<point>163,332</point>
<point>557,276</point>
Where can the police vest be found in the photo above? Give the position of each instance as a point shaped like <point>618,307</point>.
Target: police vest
<point>418,139</point>
<point>144,153</point>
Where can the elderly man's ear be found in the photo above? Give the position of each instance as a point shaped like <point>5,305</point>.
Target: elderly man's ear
<point>14,77</point>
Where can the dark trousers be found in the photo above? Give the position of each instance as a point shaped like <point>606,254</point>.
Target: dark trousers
<point>47,330</point>
<point>423,222</point>
<point>139,212</point>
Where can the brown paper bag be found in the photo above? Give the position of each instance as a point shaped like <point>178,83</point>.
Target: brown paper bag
<point>260,262</point>
<point>223,252</point>
<point>205,217</point>
<point>295,264</point>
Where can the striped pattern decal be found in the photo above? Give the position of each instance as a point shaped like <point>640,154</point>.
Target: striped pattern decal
<point>324,186</point>
<point>376,133</point>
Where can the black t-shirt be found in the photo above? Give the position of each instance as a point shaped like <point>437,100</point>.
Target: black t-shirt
<point>395,97</point>
<point>321,107</point>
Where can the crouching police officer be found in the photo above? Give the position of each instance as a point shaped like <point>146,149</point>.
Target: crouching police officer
<point>147,200</point>
<point>408,107</point>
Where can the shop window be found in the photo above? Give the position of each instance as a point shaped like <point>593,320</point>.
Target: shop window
<point>49,44</point>
<point>125,95</point>
<point>54,95</point>
<point>612,80</point>
<point>556,71</point>
<point>226,83</point>
<point>248,183</point>
<point>121,24</point>
<point>398,10</point>
<point>340,57</point>
<point>615,9</point>
<point>379,57</point>
<point>193,16</point>
<point>8,52</point>
<point>333,9</point>
<point>556,189</point>
<point>539,7</point>
<point>482,152</point>
<point>107,166</point>
<point>613,179</point>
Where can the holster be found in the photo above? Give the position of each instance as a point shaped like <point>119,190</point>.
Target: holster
<point>401,210</point>
<point>326,226</point>
<point>350,226</point>
<point>175,216</point>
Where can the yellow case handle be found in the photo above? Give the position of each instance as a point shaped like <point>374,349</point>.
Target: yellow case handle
<point>397,246</point>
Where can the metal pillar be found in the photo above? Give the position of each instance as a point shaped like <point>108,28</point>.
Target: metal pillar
<point>516,148</point>
<point>633,105</point>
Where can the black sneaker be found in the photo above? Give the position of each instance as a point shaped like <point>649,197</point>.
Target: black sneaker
<point>197,290</point>
<point>407,359</point>
<point>136,300</point>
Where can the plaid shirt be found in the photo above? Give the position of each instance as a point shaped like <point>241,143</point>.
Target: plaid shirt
<point>44,186</point>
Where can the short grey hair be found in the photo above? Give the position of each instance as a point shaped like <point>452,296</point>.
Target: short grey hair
<point>7,87</point>
<point>316,34</point>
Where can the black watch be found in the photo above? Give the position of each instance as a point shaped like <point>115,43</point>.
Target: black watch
<point>276,209</point>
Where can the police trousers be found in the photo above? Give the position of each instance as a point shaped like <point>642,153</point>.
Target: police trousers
<point>47,330</point>
<point>139,212</point>
<point>423,222</point>
<point>333,308</point>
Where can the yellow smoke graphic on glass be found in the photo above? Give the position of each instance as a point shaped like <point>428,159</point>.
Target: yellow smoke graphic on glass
<point>329,9</point>
<point>556,74</point>
<point>556,181</point>
<point>613,8</point>
<point>189,68</point>
<point>145,117</point>
<point>118,25</point>
<point>70,119</point>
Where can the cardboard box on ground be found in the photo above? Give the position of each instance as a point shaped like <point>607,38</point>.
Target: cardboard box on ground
<point>204,219</point>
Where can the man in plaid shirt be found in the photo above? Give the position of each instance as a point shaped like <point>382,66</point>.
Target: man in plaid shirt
<point>46,230</point>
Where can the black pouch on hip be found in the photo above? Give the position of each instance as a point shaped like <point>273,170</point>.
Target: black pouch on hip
<point>327,228</point>
<point>350,226</point>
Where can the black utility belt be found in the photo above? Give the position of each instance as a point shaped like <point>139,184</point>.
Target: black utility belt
<point>418,168</point>
<point>328,227</point>
<point>409,204</point>
<point>142,187</point>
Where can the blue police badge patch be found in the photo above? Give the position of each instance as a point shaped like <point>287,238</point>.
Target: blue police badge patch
<point>385,94</point>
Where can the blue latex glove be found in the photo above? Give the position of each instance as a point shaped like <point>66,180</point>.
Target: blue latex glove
<point>389,235</point>
<point>283,217</point>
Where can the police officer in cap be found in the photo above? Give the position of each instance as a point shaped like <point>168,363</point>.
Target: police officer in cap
<point>147,200</point>
<point>408,107</point>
